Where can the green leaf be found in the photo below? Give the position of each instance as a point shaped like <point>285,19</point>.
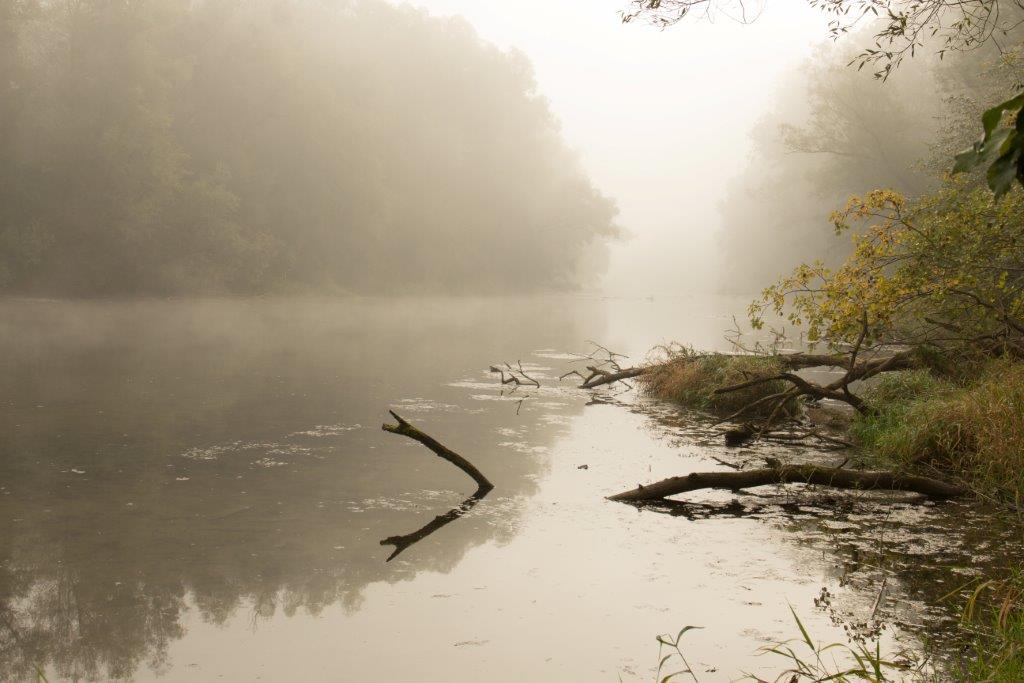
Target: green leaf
<point>684,630</point>
<point>1007,143</point>
<point>1002,172</point>
<point>968,159</point>
<point>803,631</point>
<point>991,118</point>
<point>981,151</point>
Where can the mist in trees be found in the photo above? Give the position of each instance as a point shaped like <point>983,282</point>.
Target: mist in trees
<point>241,146</point>
<point>835,131</point>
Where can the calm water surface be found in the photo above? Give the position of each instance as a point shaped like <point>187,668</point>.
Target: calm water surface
<point>198,490</point>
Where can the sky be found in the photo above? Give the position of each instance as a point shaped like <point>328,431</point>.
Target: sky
<point>660,118</point>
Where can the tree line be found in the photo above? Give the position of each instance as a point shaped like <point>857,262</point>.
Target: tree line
<point>247,146</point>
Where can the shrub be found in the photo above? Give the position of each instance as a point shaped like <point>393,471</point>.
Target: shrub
<point>691,379</point>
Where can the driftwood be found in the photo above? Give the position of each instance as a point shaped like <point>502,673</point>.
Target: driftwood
<point>405,429</point>
<point>600,377</point>
<point>513,378</point>
<point>737,436</point>
<point>483,485</point>
<point>791,474</point>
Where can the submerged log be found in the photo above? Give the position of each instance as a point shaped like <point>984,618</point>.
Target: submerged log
<point>791,474</point>
<point>405,429</point>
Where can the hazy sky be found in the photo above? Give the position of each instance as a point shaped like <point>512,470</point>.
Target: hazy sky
<point>660,118</point>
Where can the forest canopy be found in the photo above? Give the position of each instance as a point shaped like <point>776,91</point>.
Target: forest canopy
<point>242,146</point>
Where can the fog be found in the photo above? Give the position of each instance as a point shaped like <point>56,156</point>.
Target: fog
<point>238,235</point>
<point>661,119</point>
<point>727,145</point>
<point>172,147</point>
<point>255,147</point>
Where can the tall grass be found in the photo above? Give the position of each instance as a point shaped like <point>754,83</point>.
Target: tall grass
<point>995,611</point>
<point>691,379</point>
<point>805,661</point>
<point>974,431</point>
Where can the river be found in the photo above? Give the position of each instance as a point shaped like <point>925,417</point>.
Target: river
<point>198,490</point>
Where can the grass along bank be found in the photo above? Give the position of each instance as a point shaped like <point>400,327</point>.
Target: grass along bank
<point>971,430</point>
<point>961,421</point>
<point>691,378</point>
<point>967,426</point>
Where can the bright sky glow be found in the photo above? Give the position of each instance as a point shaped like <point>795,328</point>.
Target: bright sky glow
<point>660,118</point>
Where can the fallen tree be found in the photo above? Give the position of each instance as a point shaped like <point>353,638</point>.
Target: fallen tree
<point>777,473</point>
<point>764,387</point>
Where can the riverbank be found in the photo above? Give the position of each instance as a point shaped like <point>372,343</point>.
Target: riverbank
<point>963,424</point>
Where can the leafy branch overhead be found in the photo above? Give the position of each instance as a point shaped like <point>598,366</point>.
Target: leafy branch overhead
<point>945,271</point>
<point>1001,147</point>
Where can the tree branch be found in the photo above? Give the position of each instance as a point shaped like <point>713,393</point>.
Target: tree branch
<point>403,428</point>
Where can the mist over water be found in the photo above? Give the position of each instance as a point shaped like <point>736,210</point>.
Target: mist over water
<point>235,234</point>
<point>194,490</point>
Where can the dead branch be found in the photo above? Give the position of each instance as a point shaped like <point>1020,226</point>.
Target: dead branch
<point>599,377</point>
<point>612,355</point>
<point>839,390</point>
<point>405,429</point>
<point>600,356</point>
<point>726,463</point>
<point>513,378</point>
<point>797,437</point>
<point>791,474</point>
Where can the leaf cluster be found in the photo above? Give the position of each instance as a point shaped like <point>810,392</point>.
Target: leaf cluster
<point>944,270</point>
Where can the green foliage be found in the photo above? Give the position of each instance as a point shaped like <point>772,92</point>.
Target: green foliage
<point>667,641</point>
<point>945,269</point>
<point>1001,148</point>
<point>806,660</point>
<point>974,430</point>
<point>242,146</point>
<point>840,662</point>
<point>995,614</point>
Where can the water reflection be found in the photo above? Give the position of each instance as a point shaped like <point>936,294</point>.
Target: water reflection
<point>167,456</point>
<point>913,553</point>
<point>200,490</point>
<point>403,542</point>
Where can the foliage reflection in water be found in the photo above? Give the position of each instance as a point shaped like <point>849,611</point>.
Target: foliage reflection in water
<point>194,490</point>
